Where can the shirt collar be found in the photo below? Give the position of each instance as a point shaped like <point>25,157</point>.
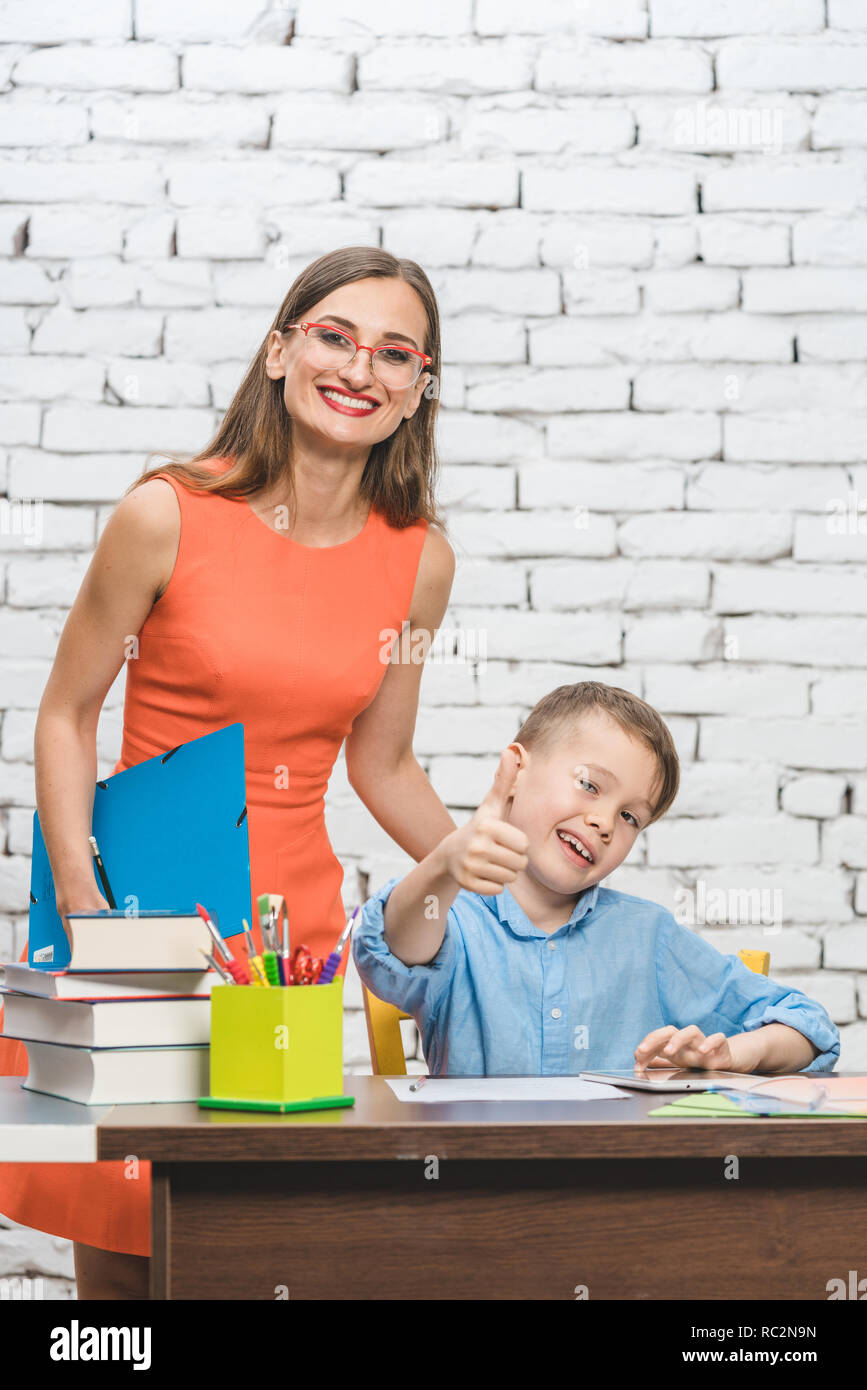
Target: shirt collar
<point>512,915</point>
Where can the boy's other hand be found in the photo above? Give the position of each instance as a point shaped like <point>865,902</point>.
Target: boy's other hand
<point>685,1047</point>
<point>487,853</point>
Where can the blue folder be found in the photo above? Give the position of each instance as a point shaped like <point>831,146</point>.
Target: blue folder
<point>172,831</point>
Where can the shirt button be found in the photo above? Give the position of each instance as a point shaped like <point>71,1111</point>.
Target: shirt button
<point>552,945</point>
<point>555,1013</point>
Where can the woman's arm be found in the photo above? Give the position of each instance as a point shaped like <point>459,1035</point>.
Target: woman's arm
<point>380,763</point>
<point>132,562</point>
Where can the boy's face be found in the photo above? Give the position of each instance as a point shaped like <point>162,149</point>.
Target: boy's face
<point>596,784</point>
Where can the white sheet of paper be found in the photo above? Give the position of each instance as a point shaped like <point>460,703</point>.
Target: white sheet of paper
<point>451,1088</point>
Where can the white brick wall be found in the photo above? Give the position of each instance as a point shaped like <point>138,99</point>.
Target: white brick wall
<point>646,223</point>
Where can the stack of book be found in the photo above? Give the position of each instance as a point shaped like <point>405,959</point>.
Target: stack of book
<point>128,1021</point>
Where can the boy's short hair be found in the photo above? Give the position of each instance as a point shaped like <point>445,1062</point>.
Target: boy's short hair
<point>563,707</point>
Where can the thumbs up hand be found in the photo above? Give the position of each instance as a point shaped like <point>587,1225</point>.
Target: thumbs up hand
<point>482,856</point>
<point>487,853</point>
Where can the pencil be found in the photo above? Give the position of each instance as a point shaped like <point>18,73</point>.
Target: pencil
<point>100,869</point>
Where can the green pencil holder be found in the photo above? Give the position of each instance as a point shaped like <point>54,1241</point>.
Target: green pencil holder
<point>276,1046</point>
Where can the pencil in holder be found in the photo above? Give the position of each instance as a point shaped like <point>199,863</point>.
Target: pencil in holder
<point>277,1049</point>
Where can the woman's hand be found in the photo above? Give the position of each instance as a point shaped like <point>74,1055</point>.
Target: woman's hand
<point>86,900</point>
<point>487,853</point>
<point>686,1047</point>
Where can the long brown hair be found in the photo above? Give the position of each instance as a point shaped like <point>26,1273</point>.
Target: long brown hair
<point>256,431</point>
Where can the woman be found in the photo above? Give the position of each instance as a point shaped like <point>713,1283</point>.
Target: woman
<point>259,583</point>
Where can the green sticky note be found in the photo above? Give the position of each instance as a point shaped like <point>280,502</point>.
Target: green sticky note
<point>703,1105</point>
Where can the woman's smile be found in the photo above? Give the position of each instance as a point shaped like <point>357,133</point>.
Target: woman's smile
<point>346,403</point>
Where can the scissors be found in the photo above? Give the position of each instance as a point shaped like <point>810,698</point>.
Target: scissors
<point>306,968</point>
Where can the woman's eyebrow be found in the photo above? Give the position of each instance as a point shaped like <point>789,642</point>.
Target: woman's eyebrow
<point>389,337</point>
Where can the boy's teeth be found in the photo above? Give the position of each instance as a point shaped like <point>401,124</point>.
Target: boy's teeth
<point>570,839</point>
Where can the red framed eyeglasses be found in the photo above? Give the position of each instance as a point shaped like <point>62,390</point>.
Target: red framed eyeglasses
<point>394,364</point>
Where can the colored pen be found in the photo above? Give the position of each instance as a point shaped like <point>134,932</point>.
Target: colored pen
<point>255,960</point>
<point>285,964</point>
<point>263,902</point>
<point>248,935</point>
<point>218,940</point>
<point>330,967</point>
<point>239,973</point>
<point>272,969</point>
<point>417,1085</point>
<point>100,869</point>
<point>216,965</point>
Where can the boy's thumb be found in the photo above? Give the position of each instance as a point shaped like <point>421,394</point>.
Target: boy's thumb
<point>499,799</point>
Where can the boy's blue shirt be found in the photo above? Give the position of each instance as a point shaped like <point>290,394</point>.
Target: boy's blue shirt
<point>504,998</point>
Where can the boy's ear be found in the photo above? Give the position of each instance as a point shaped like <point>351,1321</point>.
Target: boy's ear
<point>522,758</point>
<point>521,753</point>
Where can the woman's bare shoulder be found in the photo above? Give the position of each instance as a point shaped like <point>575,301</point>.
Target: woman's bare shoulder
<point>149,511</point>
<point>155,494</point>
<point>436,571</point>
<point>145,530</point>
<point>437,556</point>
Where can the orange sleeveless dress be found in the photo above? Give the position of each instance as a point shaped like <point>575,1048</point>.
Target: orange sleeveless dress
<point>287,639</point>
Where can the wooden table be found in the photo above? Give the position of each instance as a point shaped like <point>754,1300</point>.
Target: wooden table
<point>531,1200</point>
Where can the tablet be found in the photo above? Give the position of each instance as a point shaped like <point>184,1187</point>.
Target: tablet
<point>666,1078</point>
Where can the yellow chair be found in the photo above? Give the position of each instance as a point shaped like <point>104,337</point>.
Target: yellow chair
<point>383,1035</point>
<point>383,1022</point>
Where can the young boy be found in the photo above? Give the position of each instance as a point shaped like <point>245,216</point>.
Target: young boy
<point>514,961</point>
